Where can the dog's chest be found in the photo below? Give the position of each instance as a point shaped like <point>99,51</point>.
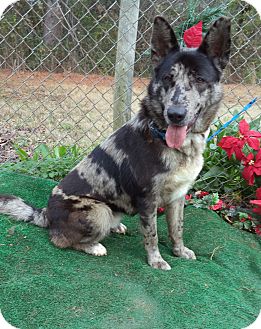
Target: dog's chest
<point>175,183</point>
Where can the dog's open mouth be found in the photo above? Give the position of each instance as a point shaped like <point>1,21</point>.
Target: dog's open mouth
<point>176,135</point>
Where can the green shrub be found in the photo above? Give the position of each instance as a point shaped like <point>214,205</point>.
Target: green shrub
<point>45,162</point>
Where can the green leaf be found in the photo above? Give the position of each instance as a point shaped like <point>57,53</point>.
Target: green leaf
<point>59,151</point>
<point>35,156</point>
<point>44,150</point>
<point>63,151</point>
<point>247,225</point>
<point>22,154</point>
<point>239,225</point>
<point>75,151</point>
<point>242,215</point>
<point>214,172</point>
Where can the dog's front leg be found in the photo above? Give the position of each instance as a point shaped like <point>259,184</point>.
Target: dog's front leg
<point>149,230</point>
<point>174,216</point>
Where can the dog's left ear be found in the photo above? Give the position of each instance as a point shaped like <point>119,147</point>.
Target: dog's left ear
<point>217,41</point>
<point>163,40</point>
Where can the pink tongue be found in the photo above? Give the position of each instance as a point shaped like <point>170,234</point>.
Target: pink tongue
<point>175,136</point>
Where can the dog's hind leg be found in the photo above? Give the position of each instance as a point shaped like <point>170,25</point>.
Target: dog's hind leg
<point>96,249</point>
<point>149,230</point>
<point>174,216</point>
<point>83,228</point>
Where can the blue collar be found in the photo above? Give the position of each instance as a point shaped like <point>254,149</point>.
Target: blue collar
<point>156,133</point>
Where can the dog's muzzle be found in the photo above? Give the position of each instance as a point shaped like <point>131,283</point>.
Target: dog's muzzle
<point>193,121</point>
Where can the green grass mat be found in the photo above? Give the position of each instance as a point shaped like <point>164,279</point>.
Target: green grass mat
<point>46,287</point>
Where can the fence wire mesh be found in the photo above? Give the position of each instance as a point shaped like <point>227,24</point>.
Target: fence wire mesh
<point>58,58</point>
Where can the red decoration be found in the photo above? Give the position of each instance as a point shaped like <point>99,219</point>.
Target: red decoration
<point>193,36</point>
<point>252,167</point>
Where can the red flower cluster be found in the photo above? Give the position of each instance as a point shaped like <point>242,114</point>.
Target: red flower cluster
<point>235,145</point>
<point>219,205</point>
<point>248,140</point>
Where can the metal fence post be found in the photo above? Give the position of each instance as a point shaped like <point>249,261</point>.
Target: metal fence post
<point>127,33</point>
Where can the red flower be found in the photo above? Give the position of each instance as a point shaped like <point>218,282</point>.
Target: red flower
<point>232,145</point>
<point>249,136</point>
<point>160,210</point>
<point>252,167</point>
<point>201,194</point>
<point>188,196</point>
<point>257,202</point>
<point>235,144</point>
<point>217,206</point>
<point>258,230</point>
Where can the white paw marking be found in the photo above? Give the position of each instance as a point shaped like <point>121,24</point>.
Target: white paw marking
<point>158,262</point>
<point>184,253</point>
<point>96,249</point>
<point>121,229</point>
<point>160,265</point>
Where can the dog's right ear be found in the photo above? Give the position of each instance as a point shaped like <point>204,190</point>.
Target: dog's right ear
<point>163,40</point>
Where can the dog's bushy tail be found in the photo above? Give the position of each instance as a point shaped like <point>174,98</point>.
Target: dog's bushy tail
<point>21,211</point>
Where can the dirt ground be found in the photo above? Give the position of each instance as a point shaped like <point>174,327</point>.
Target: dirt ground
<point>66,108</point>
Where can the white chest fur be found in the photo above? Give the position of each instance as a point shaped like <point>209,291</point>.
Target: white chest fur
<point>184,169</point>
<point>180,181</point>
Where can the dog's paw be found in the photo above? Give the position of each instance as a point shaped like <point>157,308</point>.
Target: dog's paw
<point>160,264</point>
<point>120,229</point>
<point>96,249</point>
<point>184,253</point>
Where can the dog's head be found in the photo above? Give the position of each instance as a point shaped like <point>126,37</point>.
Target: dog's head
<point>185,90</point>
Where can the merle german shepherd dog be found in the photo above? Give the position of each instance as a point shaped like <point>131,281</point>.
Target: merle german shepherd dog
<point>148,163</point>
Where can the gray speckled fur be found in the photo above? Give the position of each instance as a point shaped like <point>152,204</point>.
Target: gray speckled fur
<point>133,172</point>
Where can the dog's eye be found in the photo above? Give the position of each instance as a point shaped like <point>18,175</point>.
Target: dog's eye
<point>199,79</point>
<point>167,78</point>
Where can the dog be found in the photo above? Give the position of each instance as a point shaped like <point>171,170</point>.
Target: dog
<point>149,162</point>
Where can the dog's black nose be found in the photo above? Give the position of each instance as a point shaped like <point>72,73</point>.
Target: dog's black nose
<point>176,113</point>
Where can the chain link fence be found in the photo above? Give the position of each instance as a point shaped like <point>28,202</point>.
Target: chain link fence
<point>58,66</point>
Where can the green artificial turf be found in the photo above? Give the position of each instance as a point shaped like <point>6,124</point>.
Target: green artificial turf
<point>46,287</point>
